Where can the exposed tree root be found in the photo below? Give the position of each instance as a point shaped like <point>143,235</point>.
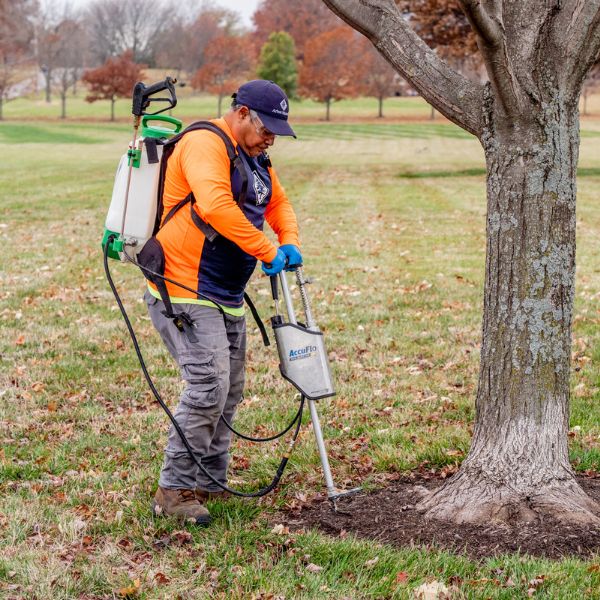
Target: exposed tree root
<point>466,498</point>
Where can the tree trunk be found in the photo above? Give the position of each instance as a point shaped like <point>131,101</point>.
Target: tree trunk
<point>48,88</point>
<point>63,104</point>
<point>327,109</point>
<point>432,114</point>
<point>112,109</point>
<point>518,464</point>
<point>585,97</point>
<point>219,103</point>
<point>380,114</point>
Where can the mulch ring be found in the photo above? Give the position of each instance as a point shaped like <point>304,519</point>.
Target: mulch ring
<point>388,515</point>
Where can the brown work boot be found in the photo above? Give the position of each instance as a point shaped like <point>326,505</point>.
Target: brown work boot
<point>182,504</point>
<point>204,496</point>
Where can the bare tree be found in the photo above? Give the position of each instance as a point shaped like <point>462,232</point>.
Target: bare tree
<point>591,85</point>
<point>537,55</point>
<point>190,35</point>
<point>49,40</point>
<point>137,25</point>
<point>70,60</point>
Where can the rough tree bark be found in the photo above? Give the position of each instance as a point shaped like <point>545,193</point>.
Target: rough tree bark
<point>537,54</point>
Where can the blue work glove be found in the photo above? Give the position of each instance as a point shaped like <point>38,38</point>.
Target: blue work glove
<point>276,266</point>
<point>292,253</point>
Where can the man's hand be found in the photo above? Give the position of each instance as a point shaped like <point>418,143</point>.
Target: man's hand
<point>293,255</point>
<point>276,266</point>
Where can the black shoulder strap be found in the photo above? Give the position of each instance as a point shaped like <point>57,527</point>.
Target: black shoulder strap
<point>234,160</point>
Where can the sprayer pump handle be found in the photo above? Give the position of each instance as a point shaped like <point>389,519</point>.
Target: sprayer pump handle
<point>142,99</point>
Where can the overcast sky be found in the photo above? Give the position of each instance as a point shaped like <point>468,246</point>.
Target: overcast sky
<point>244,7</point>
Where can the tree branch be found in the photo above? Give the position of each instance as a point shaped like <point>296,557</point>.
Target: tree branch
<point>487,28</point>
<point>457,98</point>
<point>582,40</point>
<point>491,40</point>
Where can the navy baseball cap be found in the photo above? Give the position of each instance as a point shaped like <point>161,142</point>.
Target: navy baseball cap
<point>269,101</point>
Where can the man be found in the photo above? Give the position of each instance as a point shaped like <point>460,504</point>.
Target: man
<point>211,352</point>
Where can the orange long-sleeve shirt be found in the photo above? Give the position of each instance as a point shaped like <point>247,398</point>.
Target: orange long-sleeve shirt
<point>221,269</point>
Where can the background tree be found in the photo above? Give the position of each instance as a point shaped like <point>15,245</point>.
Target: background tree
<point>190,35</point>
<point>302,19</point>
<point>49,42</point>
<point>591,85</point>
<point>332,67</point>
<point>444,27</point>
<point>278,63</point>
<point>114,79</point>
<point>537,55</point>
<point>16,36</point>
<point>227,64</point>
<point>70,58</point>
<point>137,25</point>
<point>379,80</point>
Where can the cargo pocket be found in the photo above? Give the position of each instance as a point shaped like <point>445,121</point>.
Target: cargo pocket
<point>201,375</point>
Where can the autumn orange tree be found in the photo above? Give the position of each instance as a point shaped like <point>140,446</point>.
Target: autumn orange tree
<point>228,62</point>
<point>443,26</point>
<point>304,20</point>
<point>333,67</point>
<point>114,79</point>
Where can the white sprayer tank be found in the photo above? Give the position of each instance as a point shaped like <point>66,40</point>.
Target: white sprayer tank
<point>132,215</point>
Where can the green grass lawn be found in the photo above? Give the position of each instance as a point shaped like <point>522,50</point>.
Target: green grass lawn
<point>198,105</point>
<point>393,229</point>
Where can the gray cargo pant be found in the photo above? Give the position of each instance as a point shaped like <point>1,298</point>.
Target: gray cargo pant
<point>213,370</point>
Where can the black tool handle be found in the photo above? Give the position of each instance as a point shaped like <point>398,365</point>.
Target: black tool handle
<point>274,287</point>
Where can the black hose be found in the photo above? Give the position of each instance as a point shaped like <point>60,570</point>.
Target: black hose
<point>298,418</point>
<point>266,439</point>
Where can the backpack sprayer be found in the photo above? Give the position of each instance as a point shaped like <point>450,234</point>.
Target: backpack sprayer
<point>131,222</point>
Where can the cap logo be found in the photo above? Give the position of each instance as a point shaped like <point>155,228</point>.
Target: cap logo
<point>283,104</point>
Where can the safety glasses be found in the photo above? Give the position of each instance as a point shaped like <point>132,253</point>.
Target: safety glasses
<point>261,130</point>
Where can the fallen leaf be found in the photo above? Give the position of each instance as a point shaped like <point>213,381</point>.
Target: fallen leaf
<point>280,529</point>
<point>434,590</point>
<point>130,591</point>
<point>20,341</point>
<point>401,577</point>
<point>594,568</point>
<point>371,563</point>
<point>161,578</point>
<point>52,406</point>
<point>312,568</point>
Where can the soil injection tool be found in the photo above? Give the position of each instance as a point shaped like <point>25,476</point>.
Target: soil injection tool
<point>303,362</point>
<point>129,225</point>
